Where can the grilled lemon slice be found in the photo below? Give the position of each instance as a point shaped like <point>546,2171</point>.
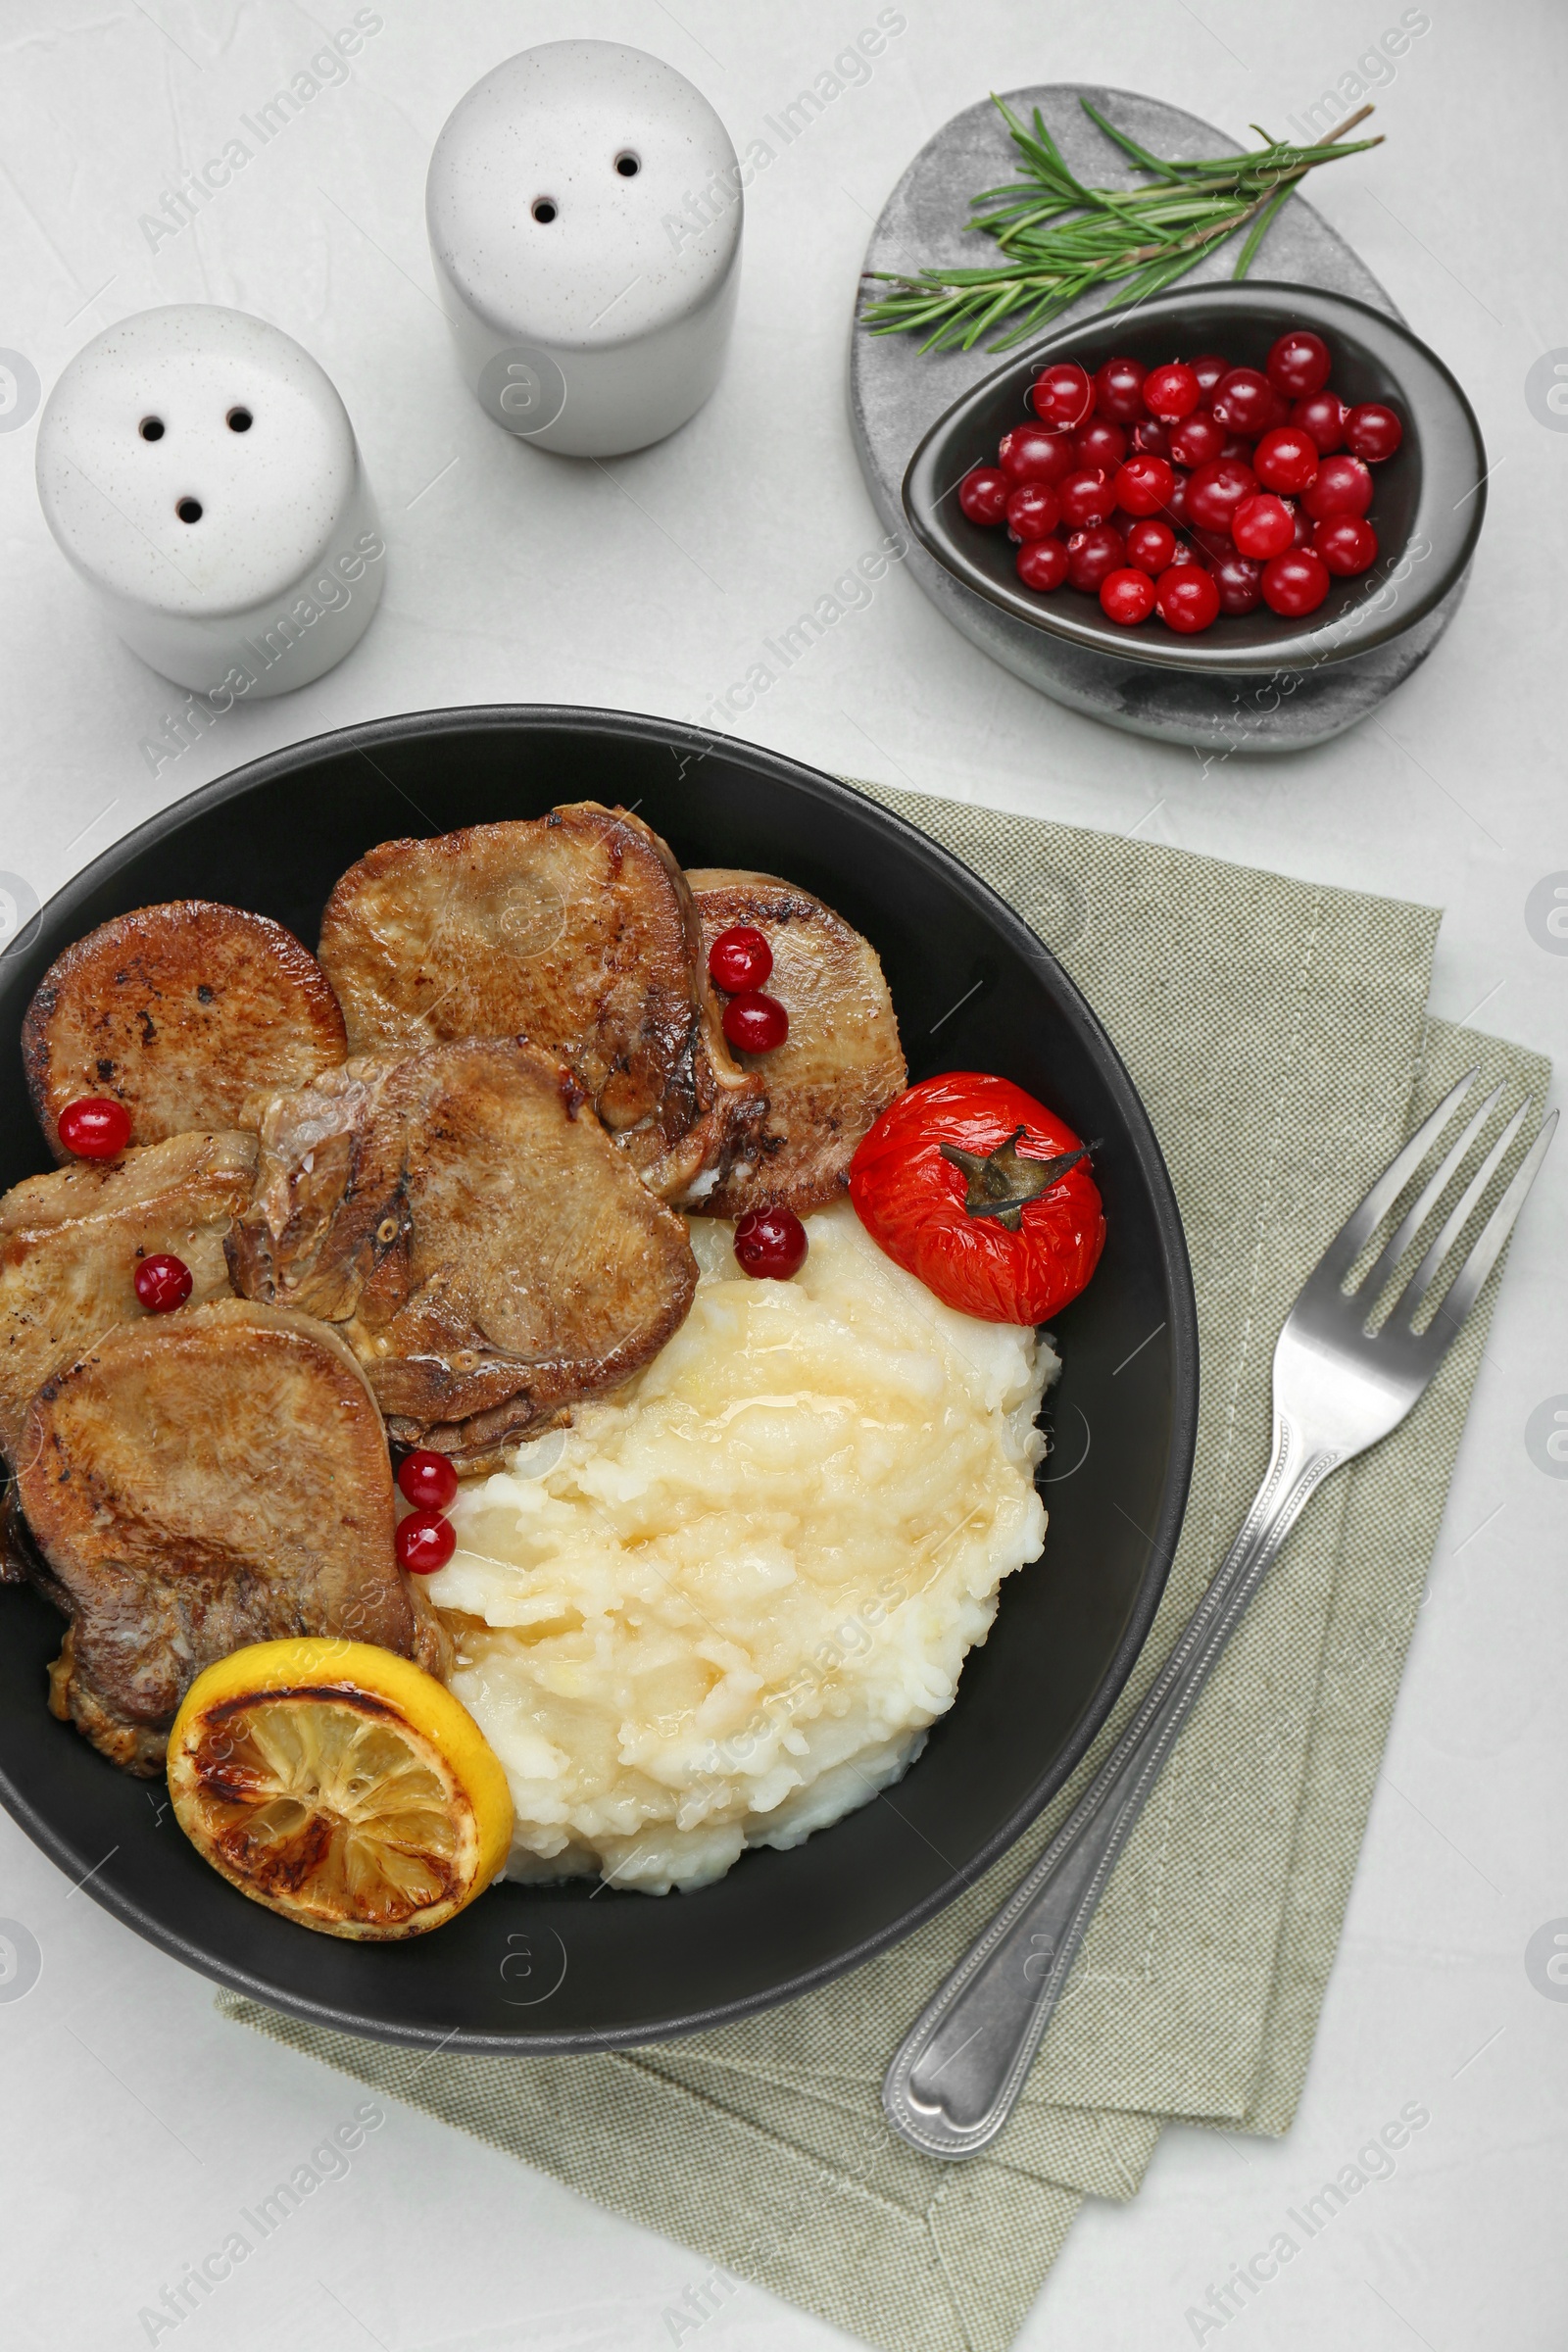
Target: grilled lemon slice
<point>339,1784</point>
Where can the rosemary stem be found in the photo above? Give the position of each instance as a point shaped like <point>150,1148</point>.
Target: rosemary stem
<point>1059,239</point>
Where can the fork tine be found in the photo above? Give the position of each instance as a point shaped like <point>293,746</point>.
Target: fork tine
<point>1493,1234</point>
<point>1431,1192</point>
<point>1419,1286</point>
<point>1358,1228</point>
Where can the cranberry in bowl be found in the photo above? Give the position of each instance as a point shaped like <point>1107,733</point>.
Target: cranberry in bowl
<point>1371,537</point>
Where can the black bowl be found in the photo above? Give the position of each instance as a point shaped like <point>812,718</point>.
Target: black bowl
<point>575,1967</point>
<point>1428,499</point>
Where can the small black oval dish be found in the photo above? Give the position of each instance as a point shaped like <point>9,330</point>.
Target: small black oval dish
<point>1428,507</point>
<point>585,1964</point>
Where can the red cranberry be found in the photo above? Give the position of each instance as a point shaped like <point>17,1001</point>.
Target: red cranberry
<point>96,1127</point>
<point>1043,564</point>
<point>1100,446</point>
<point>1295,583</point>
<point>1341,486</point>
<point>1151,438</point>
<point>162,1283</point>
<point>1208,367</point>
<point>1185,552</point>
<point>1176,504</point>
<point>1305,526</point>
<point>1263,526</point>
<point>1214,492</point>
<point>426,1480</point>
<point>1372,433</point>
<point>1092,556</point>
<point>1238,580</point>
<point>1172,392</point>
<point>983,494</point>
<point>738,957</point>
<point>1198,438</point>
<point>1033,511</point>
<point>1150,547</point>
<point>1237,445</point>
<point>423,1542</point>
<point>1188,599</point>
<point>1286,458</point>
<point>755,1023</point>
<point>1298,363</point>
<point>770,1243</point>
<point>1214,546</point>
<point>1322,415</point>
<point>1347,545</point>
<point>1144,484</point>
<point>1120,390</point>
<point>1064,395</point>
<point>1029,453</point>
<point>1127,596</point>
<point>1242,401</point>
<point>1086,499</point>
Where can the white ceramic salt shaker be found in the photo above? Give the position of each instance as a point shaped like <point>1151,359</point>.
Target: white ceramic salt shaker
<point>199,471</point>
<point>584,209</point>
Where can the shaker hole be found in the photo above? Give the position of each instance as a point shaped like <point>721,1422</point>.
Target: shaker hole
<point>151,429</point>
<point>628,164</point>
<point>543,210</point>
<point>239,421</point>
<point>189,510</point>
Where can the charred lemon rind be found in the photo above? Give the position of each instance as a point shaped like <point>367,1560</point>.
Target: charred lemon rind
<point>340,1785</point>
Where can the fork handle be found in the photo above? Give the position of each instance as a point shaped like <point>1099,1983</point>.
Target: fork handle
<point>961,2068</point>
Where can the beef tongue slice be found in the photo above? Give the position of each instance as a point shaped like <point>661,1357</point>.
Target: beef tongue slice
<point>574,930</point>
<point>71,1244</point>
<point>181,1013</point>
<point>196,1481</point>
<point>461,1215</point>
<point>840,1066</point>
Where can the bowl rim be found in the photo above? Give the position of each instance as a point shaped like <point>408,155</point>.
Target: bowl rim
<point>684,741</point>
<point>1308,645</point>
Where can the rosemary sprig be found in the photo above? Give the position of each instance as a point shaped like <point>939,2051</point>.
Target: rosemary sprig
<point>1060,238</point>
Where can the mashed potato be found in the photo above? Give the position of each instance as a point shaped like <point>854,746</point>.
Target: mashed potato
<point>722,1609</point>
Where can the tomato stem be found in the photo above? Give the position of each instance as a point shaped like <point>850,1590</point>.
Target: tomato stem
<point>1002,1185</point>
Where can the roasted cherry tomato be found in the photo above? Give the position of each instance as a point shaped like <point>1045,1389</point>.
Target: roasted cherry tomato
<point>983,1193</point>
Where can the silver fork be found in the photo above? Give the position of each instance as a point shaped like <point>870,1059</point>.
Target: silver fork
<point>1338,1389</point>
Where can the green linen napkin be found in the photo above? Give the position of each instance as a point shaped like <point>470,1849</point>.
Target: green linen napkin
<point>1277,1032</point>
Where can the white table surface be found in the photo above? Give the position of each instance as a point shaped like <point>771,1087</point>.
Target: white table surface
<point>137,2123</point>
